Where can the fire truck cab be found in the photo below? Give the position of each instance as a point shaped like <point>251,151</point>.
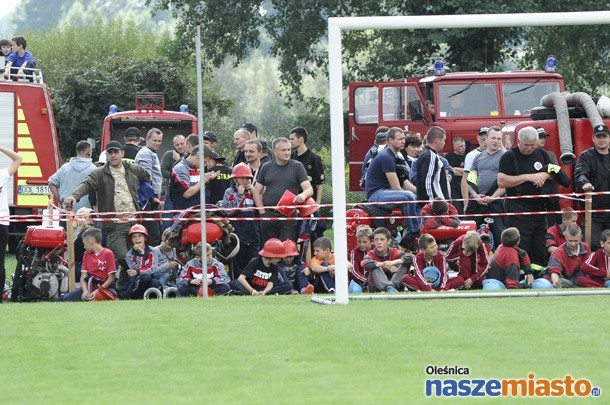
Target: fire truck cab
<point>27,126</point>
<point>149,113</point>
<point>460,103</point>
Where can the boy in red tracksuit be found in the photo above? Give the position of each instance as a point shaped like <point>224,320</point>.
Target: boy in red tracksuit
<point>566,262</point>
<point>428,255</point>
<point>432,212</point>
<point>140,262</point>
<point>509,259</point>
<point>192,278</point>
<point>555,234</point>
<point>596,268</point>
<point>468,257</point>
<point>364,238</point>
<point>385,265</point>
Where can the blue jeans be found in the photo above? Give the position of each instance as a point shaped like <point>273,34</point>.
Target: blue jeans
<point>385,195</point>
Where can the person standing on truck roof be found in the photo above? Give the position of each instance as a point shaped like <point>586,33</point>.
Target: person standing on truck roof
<point>251,128</point>
<point>19,60</point>
<point>382,184</point>
<point>592,174</point>
<point>5,175</point>
<point>5,51</point>
<point>116,184</point>
<point>63,182</point>
<point>525,170</point>
<point>482,139</point>
<point>432,179</point>
<point>148,159</point>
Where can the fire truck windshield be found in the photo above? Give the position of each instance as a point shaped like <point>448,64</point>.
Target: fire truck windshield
<point>521,97</point>
<point>467,100</point>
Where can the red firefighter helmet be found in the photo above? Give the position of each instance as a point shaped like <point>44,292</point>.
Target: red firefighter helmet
<point>290,248</point>
<point>241,170</point>
<point>138,228</point>
<point>310,209</point>
<point>286,200</point>
<point>273,248</point>
<point>104,294</point>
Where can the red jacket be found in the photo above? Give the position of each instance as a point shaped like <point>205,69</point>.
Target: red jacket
<point>420,263</point>
<point>433,222</point>
<point>372,257</point>
<point>358,273</point>
<point>468,267</point>
<point>565,263</point>
<point>554,237</point>
<point>597,266</point>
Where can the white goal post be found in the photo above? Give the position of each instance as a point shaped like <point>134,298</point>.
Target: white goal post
<point>336,25</point>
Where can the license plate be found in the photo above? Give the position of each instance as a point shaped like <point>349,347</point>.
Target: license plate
<point>34,190</point>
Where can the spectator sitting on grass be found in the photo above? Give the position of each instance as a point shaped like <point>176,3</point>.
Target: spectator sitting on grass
<point>468,257</point>
<point>294,268</point>
<point>191,281</point>
<point>166,261</point>
<point>323,264</point>
<point>140,262</point>
<point>555,236</point>
<point>98,269</point>
<point>385,265</point>
<point>428,256</point>
<point>509,259</point>
<point>260,275</point>
<point>597,266</point>
<point>438,212</point>
<point>566,261</point>
<point>364,238</point>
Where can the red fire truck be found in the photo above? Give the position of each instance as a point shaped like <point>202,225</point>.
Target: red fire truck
<point>149,113</point>
<point>463,102</point>
<point>28,127</point>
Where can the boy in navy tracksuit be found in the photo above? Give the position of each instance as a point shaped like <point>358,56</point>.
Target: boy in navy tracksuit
<point>140,262</point>
<point>191,279</point>
<point>239,197</point>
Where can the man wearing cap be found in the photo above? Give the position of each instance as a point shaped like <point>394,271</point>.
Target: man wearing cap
<point>267,152</point>
<point>240,137</point>
<point>132,144</point>
<point>482,139</point>
<point>310,160</point>
<point>591,174</point>
<point>273,180</point>
<point>217,186</point>
<point>210,139</point>
<point>184,185</point>
<point>116,185</point>
<point>381,140</point>
<point>525,170</point>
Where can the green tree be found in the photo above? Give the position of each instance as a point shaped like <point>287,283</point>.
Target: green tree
<point>297,31</point>
<point>86,75</point>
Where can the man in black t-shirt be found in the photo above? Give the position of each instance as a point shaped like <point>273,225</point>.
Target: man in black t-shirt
<point>524,170</point>
<point>219,184</point>
<point>309,159</point>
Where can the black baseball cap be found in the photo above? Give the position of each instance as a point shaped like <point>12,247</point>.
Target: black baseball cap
<point>132,133</point>
<point>483,130</point>
<point>248,126</point>
<point>601,130</point>
<point>210,136</point>
<point>541,132</point>
<point>215,156</point>
<point>116,145</point>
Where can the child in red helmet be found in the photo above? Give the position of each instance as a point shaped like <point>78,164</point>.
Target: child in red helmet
<point>192,277</point>
<point>239,197</point>
<point>294,268</point>
<point>260,275</point>
<point>140,262</point>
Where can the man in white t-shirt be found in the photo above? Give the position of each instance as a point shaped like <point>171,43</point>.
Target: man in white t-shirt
<point>5,176</point>
<point>482,139</point>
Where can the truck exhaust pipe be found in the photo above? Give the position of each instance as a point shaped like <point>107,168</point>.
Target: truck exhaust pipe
<point>558,100</point>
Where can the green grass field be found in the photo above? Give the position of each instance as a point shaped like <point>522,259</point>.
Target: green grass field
<point>288,350</point>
